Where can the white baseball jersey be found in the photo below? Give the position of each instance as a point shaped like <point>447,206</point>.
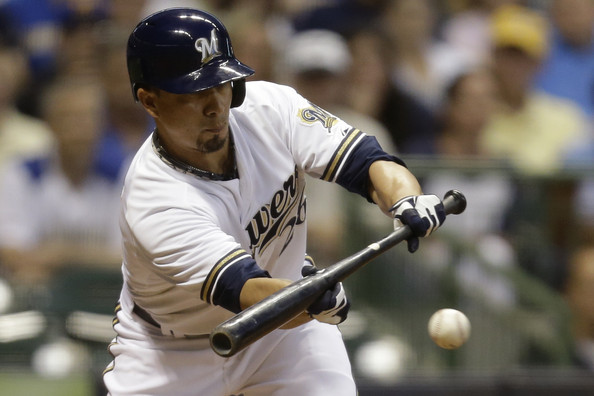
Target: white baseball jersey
<point>190,240</point>
<point>182,232</point>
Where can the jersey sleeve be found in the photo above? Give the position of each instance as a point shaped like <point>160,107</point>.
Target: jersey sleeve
<point>190,251</point>
<point>355,168</point>
<point>224,282</point>
<point>328,148</point>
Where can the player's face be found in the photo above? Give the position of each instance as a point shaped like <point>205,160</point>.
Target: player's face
<point>191,122</point>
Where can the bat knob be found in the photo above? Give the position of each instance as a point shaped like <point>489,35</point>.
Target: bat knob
<point>454,202</point>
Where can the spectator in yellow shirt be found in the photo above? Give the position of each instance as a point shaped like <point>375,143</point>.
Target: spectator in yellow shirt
<point>530,129</point>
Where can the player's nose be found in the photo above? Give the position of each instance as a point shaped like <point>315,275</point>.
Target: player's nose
<point>216,101</point>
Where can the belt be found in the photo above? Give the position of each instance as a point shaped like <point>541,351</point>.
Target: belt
<point>142,314</point>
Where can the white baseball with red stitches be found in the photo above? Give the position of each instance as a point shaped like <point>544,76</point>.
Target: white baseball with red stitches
<point>449,328</point>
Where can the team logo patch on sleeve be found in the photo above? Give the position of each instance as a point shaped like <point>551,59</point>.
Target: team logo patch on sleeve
<point>313,114</point>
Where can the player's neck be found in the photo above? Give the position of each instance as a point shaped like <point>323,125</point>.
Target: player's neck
<point>217,165</point>
<point>220,162</point>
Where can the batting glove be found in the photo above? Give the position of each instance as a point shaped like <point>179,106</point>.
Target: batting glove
<point>333,306</point>
<point>422,213</point>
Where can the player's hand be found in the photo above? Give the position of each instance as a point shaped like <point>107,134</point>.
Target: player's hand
<point>422,213</point>
<point>333,306</point>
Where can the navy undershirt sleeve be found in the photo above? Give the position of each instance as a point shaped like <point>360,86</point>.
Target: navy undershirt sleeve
<point>354,175</point>
<point>232,280</point>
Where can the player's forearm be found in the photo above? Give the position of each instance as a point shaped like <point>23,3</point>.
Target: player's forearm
<point>389,182</point>
<point>257,289</point>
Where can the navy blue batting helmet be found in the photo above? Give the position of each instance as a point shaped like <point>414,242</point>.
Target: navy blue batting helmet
<point>183,50</point>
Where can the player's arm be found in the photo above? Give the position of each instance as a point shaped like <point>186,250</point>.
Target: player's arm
<point>398,193</point>
<point>331,307</point>
<point>256,289</point>
<point>389,182</point>
<point>236,282</point>
<point>384,179</point>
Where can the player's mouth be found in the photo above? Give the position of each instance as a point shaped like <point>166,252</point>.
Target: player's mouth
<point>215,129</point>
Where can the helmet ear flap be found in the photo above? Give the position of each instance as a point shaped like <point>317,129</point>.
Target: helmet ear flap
<point>238,87</point>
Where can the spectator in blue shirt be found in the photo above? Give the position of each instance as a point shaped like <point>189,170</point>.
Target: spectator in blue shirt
<point>568,71</point>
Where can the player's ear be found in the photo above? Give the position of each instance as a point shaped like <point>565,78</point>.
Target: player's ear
<point>148,100</point>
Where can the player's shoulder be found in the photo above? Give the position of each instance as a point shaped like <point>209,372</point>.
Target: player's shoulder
<point>150,179</point>
<point>269,92</point>
<point>269,86</point>
<point>149,174</point>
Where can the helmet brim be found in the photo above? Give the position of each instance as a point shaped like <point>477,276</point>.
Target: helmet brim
<point>206,77</point>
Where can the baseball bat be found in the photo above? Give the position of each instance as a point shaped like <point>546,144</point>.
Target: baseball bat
<point>272,312</point>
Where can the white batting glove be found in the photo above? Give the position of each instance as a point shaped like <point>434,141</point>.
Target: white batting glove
<point>333,306</point>
<point>422,213</point>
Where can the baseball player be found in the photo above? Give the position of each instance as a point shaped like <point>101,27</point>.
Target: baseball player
<point>214,219</point>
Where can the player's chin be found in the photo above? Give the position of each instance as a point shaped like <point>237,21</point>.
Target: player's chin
<point>212,144</point>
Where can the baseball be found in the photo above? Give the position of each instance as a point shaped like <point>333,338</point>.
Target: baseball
<point>449,328</point>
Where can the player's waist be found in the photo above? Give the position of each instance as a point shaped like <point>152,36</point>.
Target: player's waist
<point>144,315</point>
<point>147,317</point>
<point>190,321</point>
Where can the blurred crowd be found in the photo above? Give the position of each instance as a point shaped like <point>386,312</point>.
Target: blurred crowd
<point>499,92</point>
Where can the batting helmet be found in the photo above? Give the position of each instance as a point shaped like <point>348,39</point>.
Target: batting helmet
<point>183,50</point>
